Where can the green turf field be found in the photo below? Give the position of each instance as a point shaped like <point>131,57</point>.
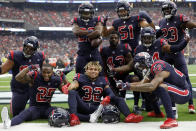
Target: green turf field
<point>182,109</point>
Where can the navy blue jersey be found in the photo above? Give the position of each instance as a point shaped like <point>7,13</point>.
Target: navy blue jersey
<point>42,91</point>
<point>84,45</point>
<point>155,50</point>
<point>176,77</point>
<point>21,62</point>
<point>129,30</point>
<point>91,91</point>
<point>172,29</point>
<point>115,57</point>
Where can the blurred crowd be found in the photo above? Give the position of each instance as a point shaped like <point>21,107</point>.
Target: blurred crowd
<point>63,18</point>
<point>66,46</point>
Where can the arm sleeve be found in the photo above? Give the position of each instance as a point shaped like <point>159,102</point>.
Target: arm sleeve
<point>179,47</point>
<point>144,15</point>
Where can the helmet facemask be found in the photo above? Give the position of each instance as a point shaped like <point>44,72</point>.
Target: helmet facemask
<point>123,13</point>
<point>147,40</point>
<point>169,9</point>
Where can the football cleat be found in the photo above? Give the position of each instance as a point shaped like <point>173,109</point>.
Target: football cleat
<point>95,115</point>
<point>136,110</point>
<point>5,118</point>
<point>74,120</point>
<point>132,118</point>
<point>191,109</point>
<point>152,114</point>
<point>169,123</point>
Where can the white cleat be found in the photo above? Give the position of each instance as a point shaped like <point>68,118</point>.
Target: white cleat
<point>5,118</point>
<point>95,115</point>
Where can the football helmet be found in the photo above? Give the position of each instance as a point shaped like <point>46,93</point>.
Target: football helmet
<point>169,9</point>
<point>86,11</point>
<point>142,64</point>
<point>123,9</point>
<point>147,36</point>
<point>110,114</point>
<point>30,46</point>
<point>59,117</point>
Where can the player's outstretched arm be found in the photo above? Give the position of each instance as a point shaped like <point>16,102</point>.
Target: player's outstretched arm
<point>147,87</point>
<point>176,48</point>
<point>190,25</point>
<point>8,65</point>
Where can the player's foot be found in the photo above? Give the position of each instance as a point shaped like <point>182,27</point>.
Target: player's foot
<point>191,109</point>
<point>152,114</point>
<point>169,123</point>
<point>95,115</point>
<point>136,110</point>
<point>74,120</point>
<point>132,118</point>
<point>5,118</point>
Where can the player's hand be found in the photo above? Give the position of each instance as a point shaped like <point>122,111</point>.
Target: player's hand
<point>65,88</point>
<point>32,67</point>
<point>59,73</point>
<point>105,19</point>
<point>122,86</point>
<point>187,35</point>
<point>106,101</point>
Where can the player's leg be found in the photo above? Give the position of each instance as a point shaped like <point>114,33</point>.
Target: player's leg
<point>152,101</point>
<point>76,106</point>
<point>181,65</point>
<point>167,103</point>
<point>81,61</point>
<point>29,114</point>
<point>18,102</point>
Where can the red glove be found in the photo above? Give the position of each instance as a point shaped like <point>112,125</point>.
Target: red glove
<point>65,88</point>
<point>106,101</point>
<point>74,120</point>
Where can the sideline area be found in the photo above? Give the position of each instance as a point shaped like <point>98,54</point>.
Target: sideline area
<point>143,126</point>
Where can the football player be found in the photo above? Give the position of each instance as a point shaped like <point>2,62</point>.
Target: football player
<point>172,28</point>
<point>114,56</point>
<point>88,30</point>
<point>85,94</point>
<point>163,80</point>
<point>128,26</point>
<point>157,48</point>
<point>18,60</point>
<point>43,85</point>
